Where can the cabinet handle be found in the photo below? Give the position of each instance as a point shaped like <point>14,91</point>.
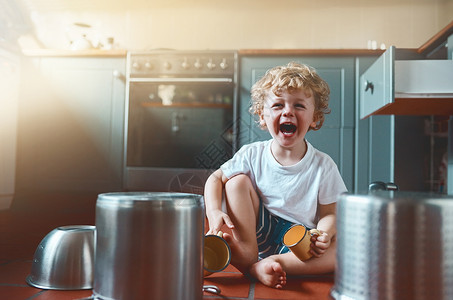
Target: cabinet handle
<point>117,74</point>
<point>175,122</point>
<point>369,86</point>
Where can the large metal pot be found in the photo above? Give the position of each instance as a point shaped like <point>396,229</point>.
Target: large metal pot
<point>394,245</point>
<point>149,246</point>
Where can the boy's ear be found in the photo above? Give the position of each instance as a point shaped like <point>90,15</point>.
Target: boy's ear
<point>313,125</point>
<point>316,118</point>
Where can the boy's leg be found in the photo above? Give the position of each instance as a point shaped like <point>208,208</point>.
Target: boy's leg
<point>242,205</point>
<point>294,266</point>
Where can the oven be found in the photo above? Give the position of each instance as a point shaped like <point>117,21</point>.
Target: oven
<point>180,112</point>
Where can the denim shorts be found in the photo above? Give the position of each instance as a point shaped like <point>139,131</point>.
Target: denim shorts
<point>269,233</point>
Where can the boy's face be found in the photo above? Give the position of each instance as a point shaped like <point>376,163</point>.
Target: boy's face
<point>288,117</point>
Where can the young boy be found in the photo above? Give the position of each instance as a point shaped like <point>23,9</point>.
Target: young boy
<point>272,185</point>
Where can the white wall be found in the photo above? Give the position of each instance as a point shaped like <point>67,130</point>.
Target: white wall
<point>239,24</point>
<point>9,88</point>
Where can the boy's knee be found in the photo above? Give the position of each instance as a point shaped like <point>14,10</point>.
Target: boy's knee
<point>239,189</point>
<point>238,182</point>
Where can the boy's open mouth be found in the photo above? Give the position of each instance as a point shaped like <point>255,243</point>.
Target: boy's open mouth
<point>288,128</point>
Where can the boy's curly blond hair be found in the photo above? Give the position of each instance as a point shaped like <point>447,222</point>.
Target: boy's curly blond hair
<point>292,77</point>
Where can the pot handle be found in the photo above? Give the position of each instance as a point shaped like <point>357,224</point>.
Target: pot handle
<point>211,289</point>
<point>381,186</point>
<point>315,232</point>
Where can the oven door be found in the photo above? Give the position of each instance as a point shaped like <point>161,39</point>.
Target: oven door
<point>176,127</point>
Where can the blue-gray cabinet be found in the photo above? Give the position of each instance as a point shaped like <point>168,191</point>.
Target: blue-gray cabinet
<point>404,102</point>
<point>71,120</point>
<point>336,137</point>
<point>373,141</point>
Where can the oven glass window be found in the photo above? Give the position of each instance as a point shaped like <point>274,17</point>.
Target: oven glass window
<point>182,125</point>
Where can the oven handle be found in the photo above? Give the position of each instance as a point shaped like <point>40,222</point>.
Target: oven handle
<point>182,80</point>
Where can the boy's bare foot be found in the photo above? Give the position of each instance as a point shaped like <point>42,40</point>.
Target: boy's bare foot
<point>269,272</point>
<point>240,257</point>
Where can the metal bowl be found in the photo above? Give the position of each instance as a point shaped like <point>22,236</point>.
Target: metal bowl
<point>64,260</point>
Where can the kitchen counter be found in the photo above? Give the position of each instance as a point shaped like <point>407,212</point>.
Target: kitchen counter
<point>428,47</point>
<point>248,52</point>
<point>75,53</point>
<point>435,42</point>
<point>310,52</point>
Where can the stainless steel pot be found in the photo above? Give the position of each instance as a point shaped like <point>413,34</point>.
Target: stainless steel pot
<point>394,245</point>
<point>149,246</point>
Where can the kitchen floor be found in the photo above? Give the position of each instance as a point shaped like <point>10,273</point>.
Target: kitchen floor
<point>34,215</point>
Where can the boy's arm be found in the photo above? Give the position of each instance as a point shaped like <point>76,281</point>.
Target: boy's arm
<point>327,225</point>
<point>213,200</point>
<point>327,219</point>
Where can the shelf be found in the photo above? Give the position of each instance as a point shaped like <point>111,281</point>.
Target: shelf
<point>188,105</point>
<point>422,106</point>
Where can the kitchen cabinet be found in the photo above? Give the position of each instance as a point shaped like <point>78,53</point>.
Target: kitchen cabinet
<point>402,124</point>
<point>71,123</point>
<point>389,148</point>
<point>336,137</point>
<point>406,150</point>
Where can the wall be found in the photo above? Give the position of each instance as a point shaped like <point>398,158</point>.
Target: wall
<point>237,24</point>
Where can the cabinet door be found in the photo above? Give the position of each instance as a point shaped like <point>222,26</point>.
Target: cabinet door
<point>374,141</point>
<point>376,84</point>
<point>72,117</point>
<point>336,136</point>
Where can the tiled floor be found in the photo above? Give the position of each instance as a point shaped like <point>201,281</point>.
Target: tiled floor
<point>33,216</point>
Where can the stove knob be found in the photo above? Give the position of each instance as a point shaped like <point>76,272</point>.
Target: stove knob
<point>185,65</point>
<point>149,65</point>
<point>136,65</point>
<point>223,64</point>
<point>167,65</point>
<point>210,64</point>
<point>197,64</point>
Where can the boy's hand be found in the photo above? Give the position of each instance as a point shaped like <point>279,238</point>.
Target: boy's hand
<point>320,244</point>
<point>216,219</point>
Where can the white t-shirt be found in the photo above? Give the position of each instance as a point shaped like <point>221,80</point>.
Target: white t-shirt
<point>290,192</point>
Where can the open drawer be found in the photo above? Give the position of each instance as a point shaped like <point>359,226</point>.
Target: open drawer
<point>409,85</point>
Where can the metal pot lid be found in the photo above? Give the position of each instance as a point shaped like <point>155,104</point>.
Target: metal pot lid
<point>162,199</point>
<point>398,196</point>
